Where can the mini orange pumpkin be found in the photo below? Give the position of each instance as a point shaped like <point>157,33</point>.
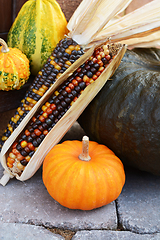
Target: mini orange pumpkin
<point>14,68</point>
<point>83,181</point>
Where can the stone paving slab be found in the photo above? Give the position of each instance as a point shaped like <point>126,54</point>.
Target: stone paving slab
<point>139,203</point>
<point>29,202</point>
<point>16,231</point>
<point>113,235</point>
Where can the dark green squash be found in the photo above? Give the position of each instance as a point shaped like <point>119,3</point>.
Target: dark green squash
<point>125,115</point>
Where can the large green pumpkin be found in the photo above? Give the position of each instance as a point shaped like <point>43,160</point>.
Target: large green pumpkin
<point>125,115</point>
<point>38,27</point>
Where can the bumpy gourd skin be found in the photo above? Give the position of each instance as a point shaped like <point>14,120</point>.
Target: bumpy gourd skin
<point>125,115</point>
<point>39,26</point>
<point>14,69</point>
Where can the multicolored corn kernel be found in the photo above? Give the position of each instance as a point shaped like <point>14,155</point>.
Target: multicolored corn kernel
<point>56,106</point>
<point>64,55</point>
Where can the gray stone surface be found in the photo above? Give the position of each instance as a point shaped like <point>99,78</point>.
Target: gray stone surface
<point>74,133</point>
<point>139,203</point>
<point>16,231</point>
<point>113,235</point>
<point>29,202</point>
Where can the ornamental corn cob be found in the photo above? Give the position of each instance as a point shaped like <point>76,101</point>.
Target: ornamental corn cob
<point>66,52</point>
<point>56,106</point>
<point>84,20</point>
<point>83,26</point>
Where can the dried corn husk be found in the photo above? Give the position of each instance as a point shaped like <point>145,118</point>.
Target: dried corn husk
<point>138,28</point>
<point>152,40</point>
<point>65,123</point>
<point>91,17</point>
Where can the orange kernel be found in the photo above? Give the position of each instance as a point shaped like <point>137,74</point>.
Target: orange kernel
<point>37,132</point>
<point>53,106</point>
<point>15,151</point>
<point>9,165</point>
<point>30,146</point>
<point>10,160</point>
<point>68,90</point>
<point>94,77</point>
<point>14,145</point>
<point>27,133</point>
<point>45,132</point>
<point>71,86</point>
<point>42,118</point>
<point>75,82</point>
<point>34,119</point>
<point>19,157</point>
<point>79,79</point>
<point>49,111</point>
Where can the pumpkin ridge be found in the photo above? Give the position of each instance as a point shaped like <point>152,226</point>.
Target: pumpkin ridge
<point>63,183</point>
<point>101,186</point>
<point>56,168</point>
<point>114,179</point>
<point>89,188</point>
<point>78,190</point>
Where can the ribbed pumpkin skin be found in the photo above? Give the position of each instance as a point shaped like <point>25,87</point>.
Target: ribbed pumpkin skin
<point>37,29</point>
<point>83,185</point>
<point>14,69</point>
<point>125,115</point>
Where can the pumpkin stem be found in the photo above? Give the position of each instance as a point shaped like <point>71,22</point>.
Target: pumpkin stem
<point>84,156</point>
<point>4,46</point>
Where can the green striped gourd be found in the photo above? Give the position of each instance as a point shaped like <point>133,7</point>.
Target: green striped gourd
<point>37,29</point>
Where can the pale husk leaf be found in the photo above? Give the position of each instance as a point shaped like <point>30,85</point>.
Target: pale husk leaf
<point>151,40</point>
<point>139,24</point>
<point>91,17</point>
<point>65,123</point>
